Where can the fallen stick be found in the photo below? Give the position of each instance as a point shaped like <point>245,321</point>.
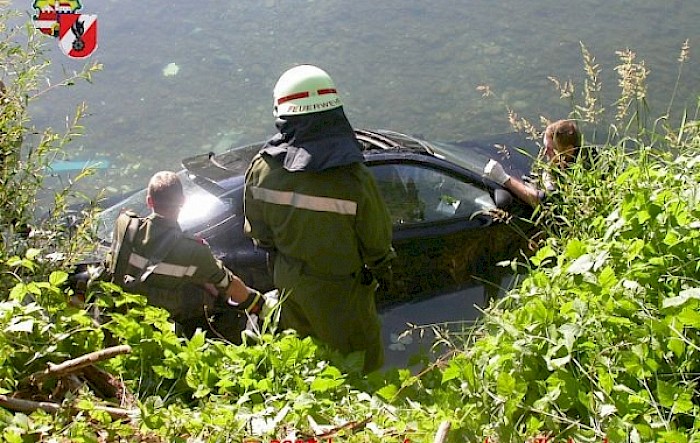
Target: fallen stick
<point>443,430</point>
<point>78,363</point>
<point>29,406</point>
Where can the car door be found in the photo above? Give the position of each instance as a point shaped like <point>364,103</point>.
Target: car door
<point>444,232</point>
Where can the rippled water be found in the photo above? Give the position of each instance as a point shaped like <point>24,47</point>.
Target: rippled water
<point>182,78</point>
<point>414,66</point>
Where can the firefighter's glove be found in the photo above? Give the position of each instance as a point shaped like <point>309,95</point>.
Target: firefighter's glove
<point>385,277</point>
<point>270,302</point>
<point>366,277</point>
<point>494,170</point>
<point>253,304</point>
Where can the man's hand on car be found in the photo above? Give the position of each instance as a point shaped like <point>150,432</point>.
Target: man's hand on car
<point>494,170</point>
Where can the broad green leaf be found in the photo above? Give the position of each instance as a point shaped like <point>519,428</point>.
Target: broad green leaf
<point>10,436</point>
<point>618,320</point>
<point>542,255</point>
<point>684,403</point>
<point>452,371</point>
<point>575,249</point>
<point>674,437</point>
<point>22,326</point>
<point>265,385</point>
<point>666,393</point>
<point>581,265</point>
<point>32,253</point>
<point>505,386</point>
<point>322,384</point>
<point>671,238</point>
<point>689,317</point>
<point>57,278</point>
<point>33,288</point>
<point>681,298</point>
<point>676,345</point>
<point>18,292</point>
<point>388,392</point>
<point>643,216</point>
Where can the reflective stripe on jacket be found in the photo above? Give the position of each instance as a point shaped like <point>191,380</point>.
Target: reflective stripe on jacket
<point>187,261</point>
<point>333,221</point>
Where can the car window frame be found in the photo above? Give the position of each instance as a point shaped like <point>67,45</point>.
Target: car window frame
<point>433,228</point>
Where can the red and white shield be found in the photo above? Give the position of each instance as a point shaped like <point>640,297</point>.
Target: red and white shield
<point>77,34</point>
<point>45,21</point>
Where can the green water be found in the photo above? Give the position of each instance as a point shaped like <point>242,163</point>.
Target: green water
<point>414,66</point>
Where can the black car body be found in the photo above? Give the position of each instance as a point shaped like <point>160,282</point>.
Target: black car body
<point>449,222</point>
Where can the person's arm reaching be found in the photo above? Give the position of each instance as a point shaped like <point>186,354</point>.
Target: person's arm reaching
<point>530,195</point>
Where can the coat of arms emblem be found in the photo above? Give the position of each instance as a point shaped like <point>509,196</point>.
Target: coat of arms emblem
<point>77,33</point>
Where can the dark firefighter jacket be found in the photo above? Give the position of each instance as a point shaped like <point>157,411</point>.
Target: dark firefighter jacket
<point>310,198</point>
<point>171,280</point>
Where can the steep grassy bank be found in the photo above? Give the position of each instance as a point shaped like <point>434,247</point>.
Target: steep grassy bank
<point>600,340</point>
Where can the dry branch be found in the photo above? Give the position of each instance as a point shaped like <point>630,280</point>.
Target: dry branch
<point>28,406</point>
<point>78,363</point>
<point>443,430</point>
<point>349,426</point>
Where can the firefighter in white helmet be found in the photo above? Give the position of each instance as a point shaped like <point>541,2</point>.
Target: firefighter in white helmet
<point>312,203</point>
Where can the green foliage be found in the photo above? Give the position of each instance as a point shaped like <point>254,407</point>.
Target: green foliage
<point>600,339</point>
<point>26,152</point>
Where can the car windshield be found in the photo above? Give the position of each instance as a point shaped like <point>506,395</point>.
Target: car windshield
<point>200,207</point>
<point>467,157</point>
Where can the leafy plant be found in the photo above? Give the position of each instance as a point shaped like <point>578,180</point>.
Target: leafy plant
<point>26,152</point>
<point>599,340</point>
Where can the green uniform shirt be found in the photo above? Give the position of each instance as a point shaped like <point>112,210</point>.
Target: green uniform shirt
<point>325,225</point>
<point>334,221</point>
<point>169,283</point>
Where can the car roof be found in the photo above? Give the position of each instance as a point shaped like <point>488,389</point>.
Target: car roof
<point>513,150</point>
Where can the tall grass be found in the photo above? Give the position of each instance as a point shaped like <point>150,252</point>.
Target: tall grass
<point>601,338</point>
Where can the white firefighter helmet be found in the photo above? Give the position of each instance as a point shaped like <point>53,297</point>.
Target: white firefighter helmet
<point>304,89</point>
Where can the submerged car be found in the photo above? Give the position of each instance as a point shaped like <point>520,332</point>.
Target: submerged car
<point>450,225</point>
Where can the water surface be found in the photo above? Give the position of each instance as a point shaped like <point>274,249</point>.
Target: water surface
<point>182,78</point>
<point>413,66</point>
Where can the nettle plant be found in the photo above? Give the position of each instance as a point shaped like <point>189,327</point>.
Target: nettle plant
<point>600,340</point>
<point>31,217</point>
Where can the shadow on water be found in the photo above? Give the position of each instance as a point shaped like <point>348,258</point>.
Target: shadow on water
<point>410,332</point>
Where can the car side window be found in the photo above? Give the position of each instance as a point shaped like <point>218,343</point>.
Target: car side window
<point>416,194</point>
